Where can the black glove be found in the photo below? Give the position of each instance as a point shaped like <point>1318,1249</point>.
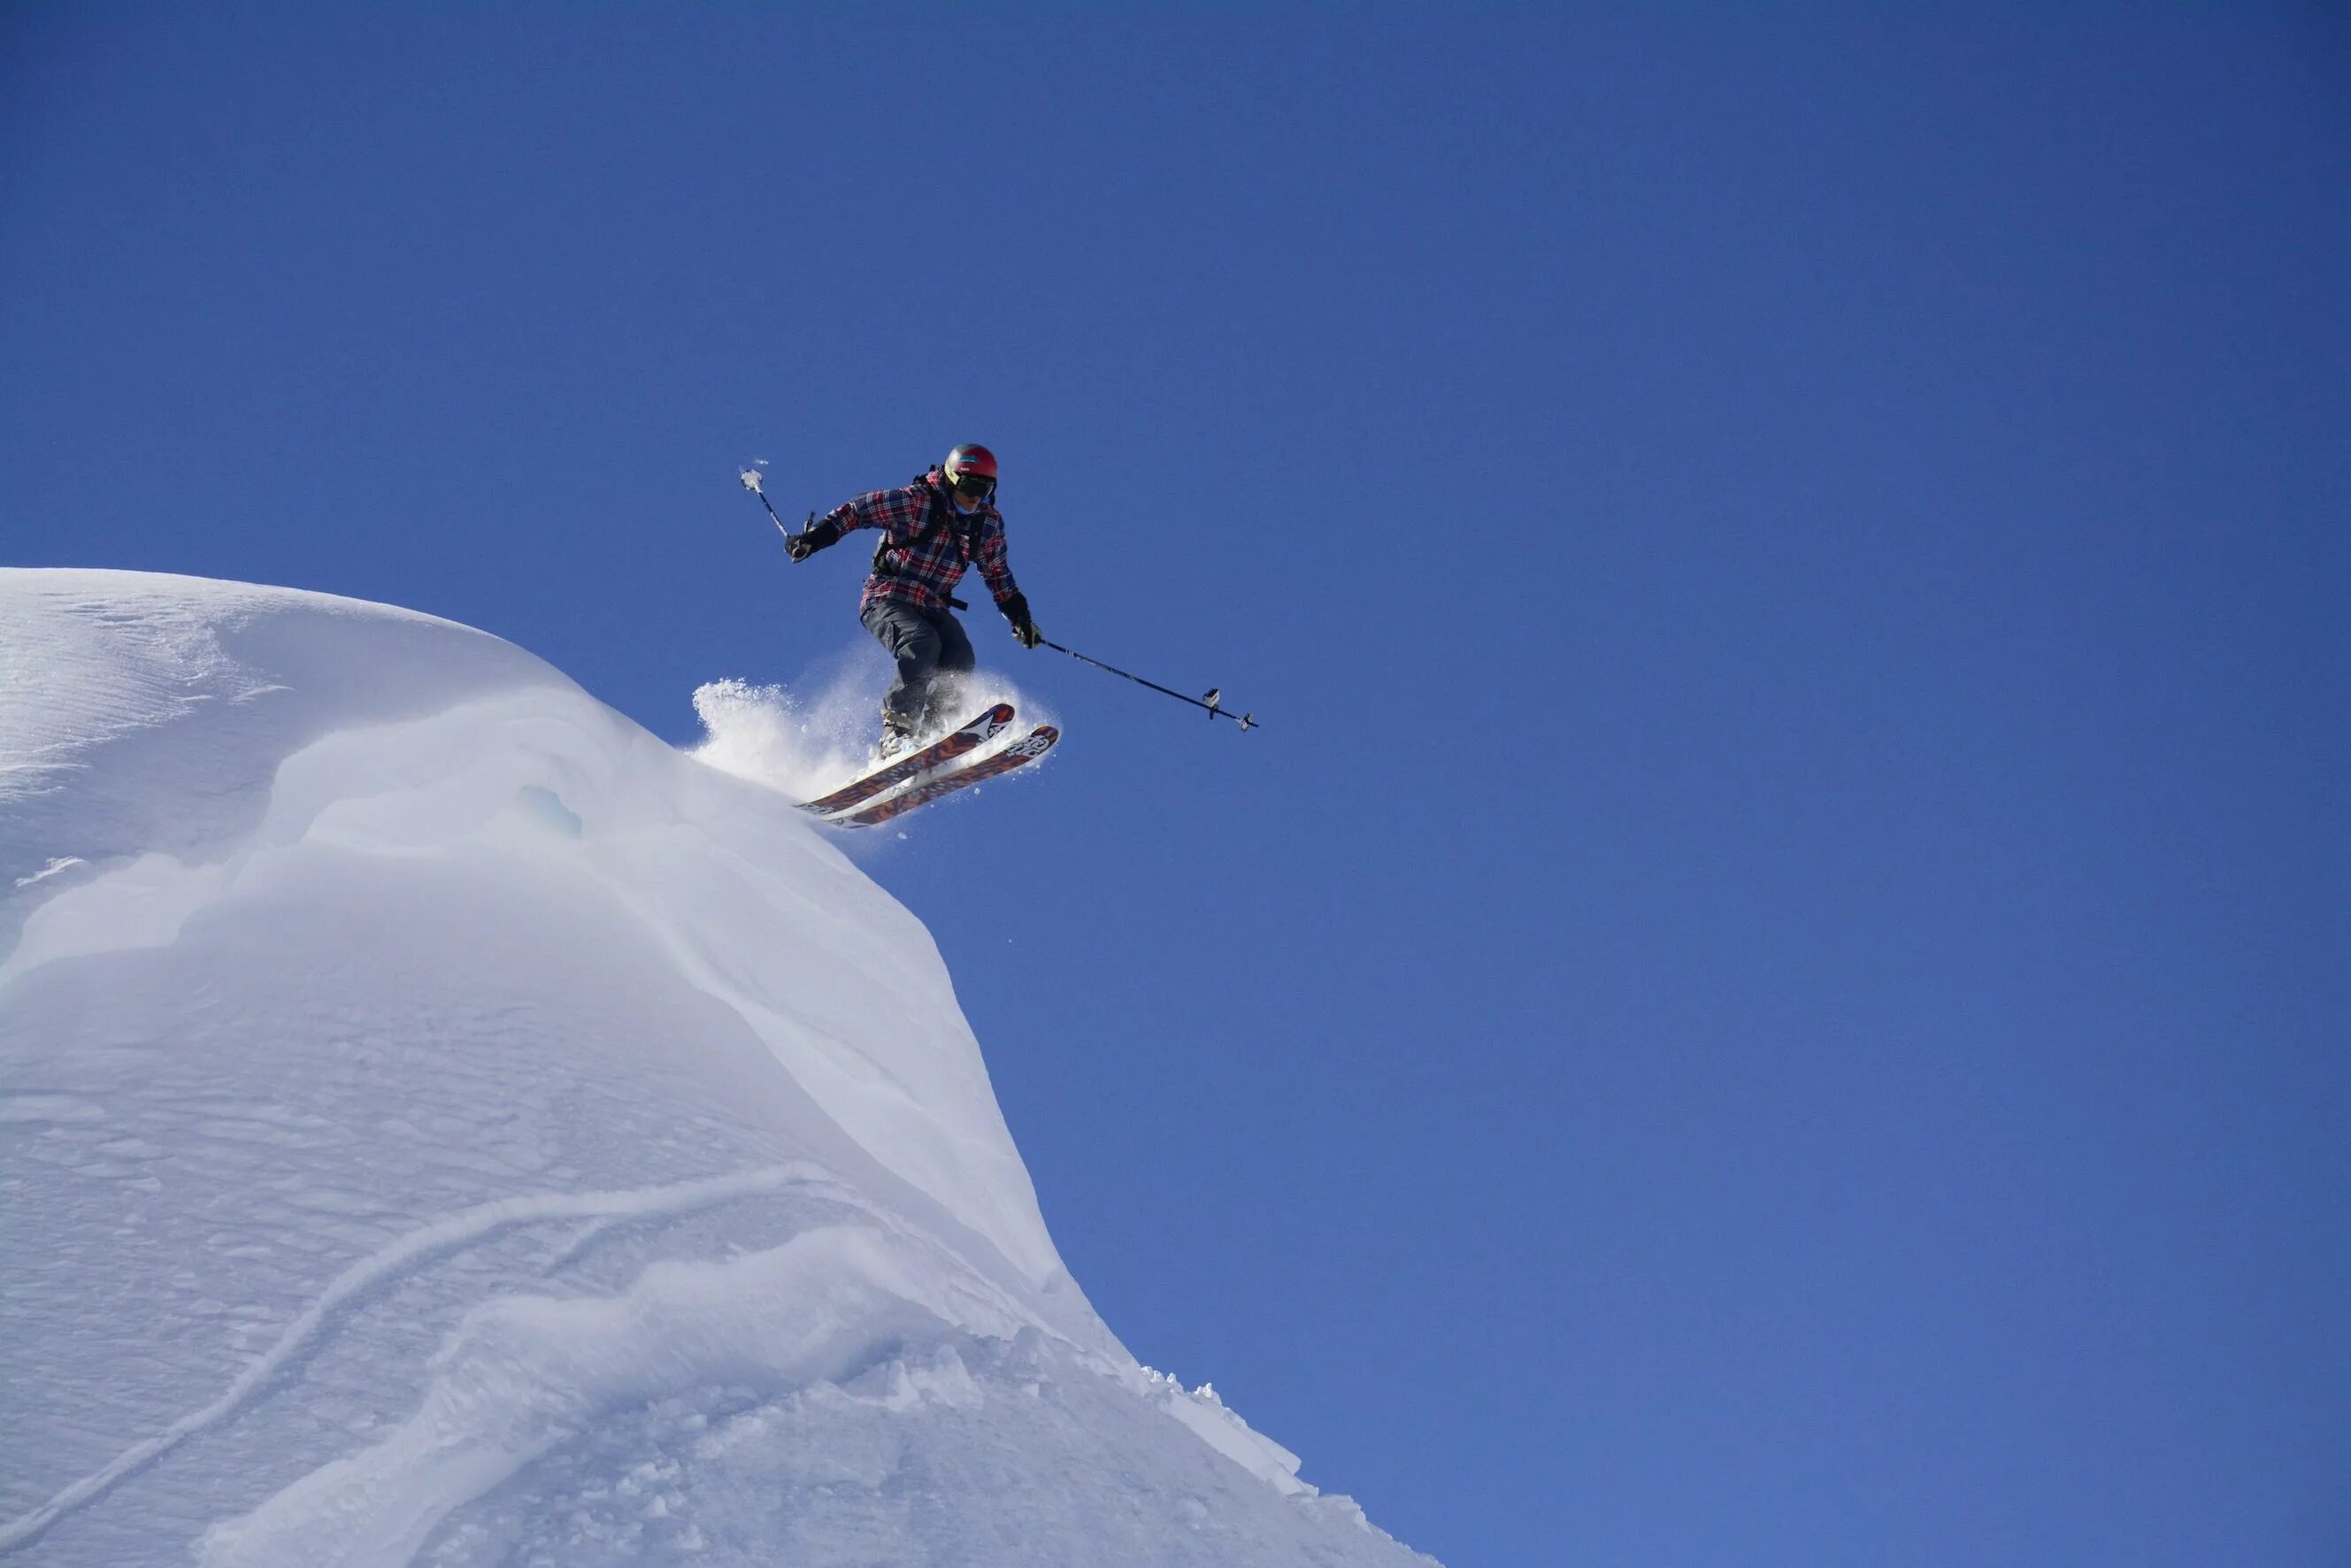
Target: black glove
<point>1024,630</point>
<point>801,546</point>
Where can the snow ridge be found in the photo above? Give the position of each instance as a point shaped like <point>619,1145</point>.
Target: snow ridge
<point>371,1273</point>
<point>442,1124</point>
<point>525,1371</point>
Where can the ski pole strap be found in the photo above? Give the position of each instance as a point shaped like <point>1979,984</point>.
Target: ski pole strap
<point>750,477</point>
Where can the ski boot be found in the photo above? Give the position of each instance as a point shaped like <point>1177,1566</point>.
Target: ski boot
<point>898,737</point>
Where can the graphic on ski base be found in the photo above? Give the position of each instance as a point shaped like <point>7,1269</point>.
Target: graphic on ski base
<point>937,754</point>
<point>1027,749</point>
<point>926,774</point>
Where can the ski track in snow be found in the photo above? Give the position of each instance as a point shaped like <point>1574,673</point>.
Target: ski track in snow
<point>522,1373</point>
<point>423,1245</point>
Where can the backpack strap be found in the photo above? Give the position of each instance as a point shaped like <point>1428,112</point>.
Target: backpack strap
<point>935,517</point>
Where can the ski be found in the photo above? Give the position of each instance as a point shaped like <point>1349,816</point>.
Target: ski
<point>945,749</point>
<point>1027,749</point>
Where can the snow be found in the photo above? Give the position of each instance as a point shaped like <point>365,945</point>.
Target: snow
<point>440,1123</point>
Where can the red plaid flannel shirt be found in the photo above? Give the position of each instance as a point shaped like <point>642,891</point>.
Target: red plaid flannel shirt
<point>926,574</point>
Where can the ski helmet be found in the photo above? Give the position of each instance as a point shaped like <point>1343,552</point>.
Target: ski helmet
<point>971,468</point>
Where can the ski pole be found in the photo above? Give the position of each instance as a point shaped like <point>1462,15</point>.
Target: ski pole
<point>1214,701</point>
<point>751,482</point>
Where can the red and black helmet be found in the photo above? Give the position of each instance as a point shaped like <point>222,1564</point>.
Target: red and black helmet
<point>971,469</point>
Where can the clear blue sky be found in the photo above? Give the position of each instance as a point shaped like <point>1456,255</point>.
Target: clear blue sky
<point>1772,991</point>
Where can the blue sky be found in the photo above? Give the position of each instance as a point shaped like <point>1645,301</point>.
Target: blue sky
<point>1773,987</point>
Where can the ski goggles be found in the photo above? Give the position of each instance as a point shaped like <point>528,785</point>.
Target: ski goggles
<point>975,486</point>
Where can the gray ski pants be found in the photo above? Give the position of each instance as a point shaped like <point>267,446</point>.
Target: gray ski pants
<point>933,655</point>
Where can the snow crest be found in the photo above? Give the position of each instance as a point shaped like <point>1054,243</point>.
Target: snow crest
<point>442,1124</point>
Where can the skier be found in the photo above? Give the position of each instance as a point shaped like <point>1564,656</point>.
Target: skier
<point>933,529</point>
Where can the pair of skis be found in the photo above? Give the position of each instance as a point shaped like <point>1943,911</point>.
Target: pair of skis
<point>922,776</point>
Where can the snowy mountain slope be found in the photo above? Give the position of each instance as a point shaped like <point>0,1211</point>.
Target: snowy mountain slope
<point>440,1123</point>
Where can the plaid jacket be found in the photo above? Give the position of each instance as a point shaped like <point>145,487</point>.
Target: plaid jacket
<point>926,573</point>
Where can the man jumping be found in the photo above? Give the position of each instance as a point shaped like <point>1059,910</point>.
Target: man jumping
<point>933,530</point>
